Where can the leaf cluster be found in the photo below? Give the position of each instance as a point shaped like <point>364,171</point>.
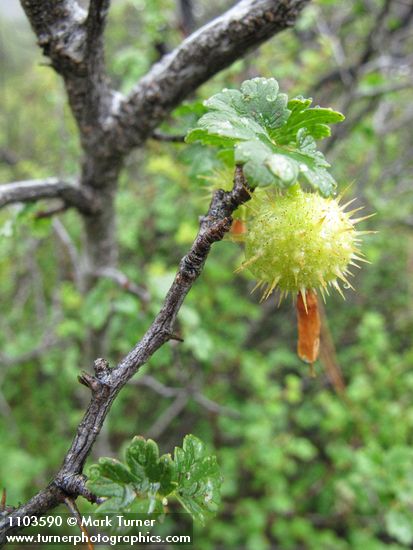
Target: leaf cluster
<point>142,483</point>
<point>272,137</point>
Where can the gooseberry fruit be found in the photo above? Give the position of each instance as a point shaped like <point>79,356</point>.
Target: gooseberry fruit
<point>299,241</point>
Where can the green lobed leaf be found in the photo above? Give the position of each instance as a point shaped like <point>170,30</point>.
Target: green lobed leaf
<point>146,478</point>
<point>142,457</point>
<point>272,137</point>
<point>111,468</point>
<point>112,482</point>
<point>199,479</point>
<point>315,120</point>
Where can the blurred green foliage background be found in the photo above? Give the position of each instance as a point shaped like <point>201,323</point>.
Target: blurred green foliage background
<point>304,465</point>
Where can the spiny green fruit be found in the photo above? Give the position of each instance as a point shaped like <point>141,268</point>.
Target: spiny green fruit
<point>299,241</point>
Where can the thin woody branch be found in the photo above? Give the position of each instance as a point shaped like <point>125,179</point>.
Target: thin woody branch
<point>106,383</point>
<point>50,188</point>
<point>206,52</point>
<point>124,282</point>
<point>109,127</point>
<point>109,124</point>
<point>173,138</point>
<point>167,391</point>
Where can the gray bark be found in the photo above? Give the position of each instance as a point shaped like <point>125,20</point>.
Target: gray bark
<point>110,126</point>
<point>72,195</point>
<point>206,52</point>
<point>106,383</point>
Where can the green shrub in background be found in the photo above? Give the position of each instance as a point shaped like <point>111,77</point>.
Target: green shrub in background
<point>302,466</point>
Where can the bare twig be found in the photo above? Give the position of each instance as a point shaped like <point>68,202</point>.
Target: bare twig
<point>168,415</point>
<point>124,282</point>
<point>109,127</point>
<point>156,386</point>
<point>50,212</point>
<point>106,383</point>
<point>71,504</point>
<point>173,138</point>
<point>336,47</point>
<point>109,124</point>
<point>65,239</point>
<point>197,396</point>
<point>213,406</point>
<point>50,188</point>
<point>373,42</point>
<point>204,53</point>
